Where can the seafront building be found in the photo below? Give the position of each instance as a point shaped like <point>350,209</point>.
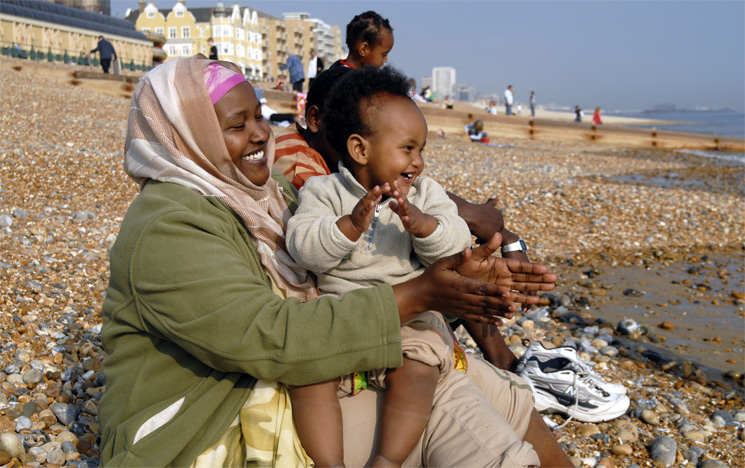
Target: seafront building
<point>443,79</point>
<point>255,41</point>
<point>464,92</point>
<point>40,30</point>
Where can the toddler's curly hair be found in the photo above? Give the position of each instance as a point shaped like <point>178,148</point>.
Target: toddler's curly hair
<point>351,105</point>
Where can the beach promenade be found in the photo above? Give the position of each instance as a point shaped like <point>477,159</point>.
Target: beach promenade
<point>634,230</point>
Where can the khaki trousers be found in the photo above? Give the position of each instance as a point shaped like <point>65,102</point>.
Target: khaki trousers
<point>468,427</point>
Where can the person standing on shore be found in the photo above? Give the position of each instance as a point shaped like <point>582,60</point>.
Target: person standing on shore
<point>213,49</point>
<point>106,52</point>
<point>295,66</point>
<point>315,66</point>
<point>508,98</point>
<point>532,103</point>
<point>577,114</point>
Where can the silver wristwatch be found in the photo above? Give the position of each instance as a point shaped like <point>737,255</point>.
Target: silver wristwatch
<point>517,245</point>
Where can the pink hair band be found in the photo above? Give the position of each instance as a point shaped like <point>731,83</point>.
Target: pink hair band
<point>219,80</point>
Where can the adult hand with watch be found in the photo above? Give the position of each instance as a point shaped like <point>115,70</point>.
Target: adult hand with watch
<point>484,220</point>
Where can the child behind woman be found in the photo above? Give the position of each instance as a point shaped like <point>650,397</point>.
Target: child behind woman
<point>345,232</point>
<point>369,39</point>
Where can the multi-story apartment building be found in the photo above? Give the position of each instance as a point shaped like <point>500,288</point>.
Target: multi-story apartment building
<point>235,30</point>
<point>313,34</point>
<point>443,79</point>
<point>257,42</point>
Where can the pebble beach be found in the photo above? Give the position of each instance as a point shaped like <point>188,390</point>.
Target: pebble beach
<point>648,244</point>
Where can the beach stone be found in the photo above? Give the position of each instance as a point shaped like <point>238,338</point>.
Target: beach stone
<point>626,430</point>
<point>588,429</point>
<point>11,444</point>
<point>83,216</point>
<point>66,436</point>
<point>23,423</point>
<point>622,449</point>
<point>5,221</point>
<point>576,461</point>
<point>695,436</point>
<point>32,376</point>
<point>39,454</point>
<point>713,463</point>
<point>721,418</point>
<point>628,326</point>
<point>693,453</point>
<point>56,457</point>
<point>68,447</point>
<point>663,450</point>
<point>631,292</point>
<point>66,413</point>
<point>606,462</point>
<point>667,325</point>
<point>611,351</point>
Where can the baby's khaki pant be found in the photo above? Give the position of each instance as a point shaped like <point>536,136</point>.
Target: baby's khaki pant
<point>467,427</point>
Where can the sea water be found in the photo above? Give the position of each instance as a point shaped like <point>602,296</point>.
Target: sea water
<point>723,123</point>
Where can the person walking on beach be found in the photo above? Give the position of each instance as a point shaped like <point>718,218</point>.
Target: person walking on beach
<point>106,52</point>
<point>577,114</point>
<point>532,103</point>
<point>596,116</point>
<point>213,49</point>
<point>295,66</point>
<point>508,98</point>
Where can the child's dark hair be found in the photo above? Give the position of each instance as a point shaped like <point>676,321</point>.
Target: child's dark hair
<point>366,27</point>
<point>347,103</point>
<point>322,84</point>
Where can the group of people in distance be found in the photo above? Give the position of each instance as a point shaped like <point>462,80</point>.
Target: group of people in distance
<point>245,322</point>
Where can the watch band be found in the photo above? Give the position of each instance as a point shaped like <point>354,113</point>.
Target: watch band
<point>517,245</point>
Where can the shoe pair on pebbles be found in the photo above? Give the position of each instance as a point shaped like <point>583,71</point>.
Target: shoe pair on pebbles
<point>562,382</point>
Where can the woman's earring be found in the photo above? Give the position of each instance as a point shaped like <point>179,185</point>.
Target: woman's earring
<point>363,55</point>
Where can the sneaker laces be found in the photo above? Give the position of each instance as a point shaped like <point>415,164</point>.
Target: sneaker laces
<point>586,378</point>
<point>572,408</point>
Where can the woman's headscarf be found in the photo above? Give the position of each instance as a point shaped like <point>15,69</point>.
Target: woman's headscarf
<point>174,136</point>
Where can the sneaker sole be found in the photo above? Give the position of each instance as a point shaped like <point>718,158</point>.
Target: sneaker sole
<point>546,402</point>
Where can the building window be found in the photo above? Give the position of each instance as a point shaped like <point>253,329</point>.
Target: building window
<point>201,32</point>
<point>180,14</point>
<point>172,51</point>
<point>159,30</point>
<point>151,14</point>
<point>185,31</point>
<point>145,29</point>
<point>171,33</point>
<point>186,50</point>
<point>226,31</point>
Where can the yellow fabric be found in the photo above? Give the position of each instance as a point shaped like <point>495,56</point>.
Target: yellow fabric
<point>262,435</point>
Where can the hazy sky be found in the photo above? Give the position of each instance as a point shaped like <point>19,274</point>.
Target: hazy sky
<point>614,54</point>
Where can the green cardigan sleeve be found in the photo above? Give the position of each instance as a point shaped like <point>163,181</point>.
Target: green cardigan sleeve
<point>196,280</point>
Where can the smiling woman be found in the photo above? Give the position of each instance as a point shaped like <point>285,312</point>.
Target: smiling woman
<point>206,313</point>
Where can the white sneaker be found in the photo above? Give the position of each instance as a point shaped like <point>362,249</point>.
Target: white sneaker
<point>536,348</point>
<point>559,385</point>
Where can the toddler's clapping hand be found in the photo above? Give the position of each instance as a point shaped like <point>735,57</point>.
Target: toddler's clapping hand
<point>415,222</point>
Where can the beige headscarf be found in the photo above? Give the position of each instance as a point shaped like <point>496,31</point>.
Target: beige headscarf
<point>174,136</point>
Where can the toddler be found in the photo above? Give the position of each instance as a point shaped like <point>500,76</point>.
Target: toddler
<point>376,221</point>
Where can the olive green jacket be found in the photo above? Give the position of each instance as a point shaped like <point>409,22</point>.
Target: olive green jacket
<point>191,321</point>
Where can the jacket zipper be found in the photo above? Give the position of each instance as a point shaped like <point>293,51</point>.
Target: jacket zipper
<point>373,225</point>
